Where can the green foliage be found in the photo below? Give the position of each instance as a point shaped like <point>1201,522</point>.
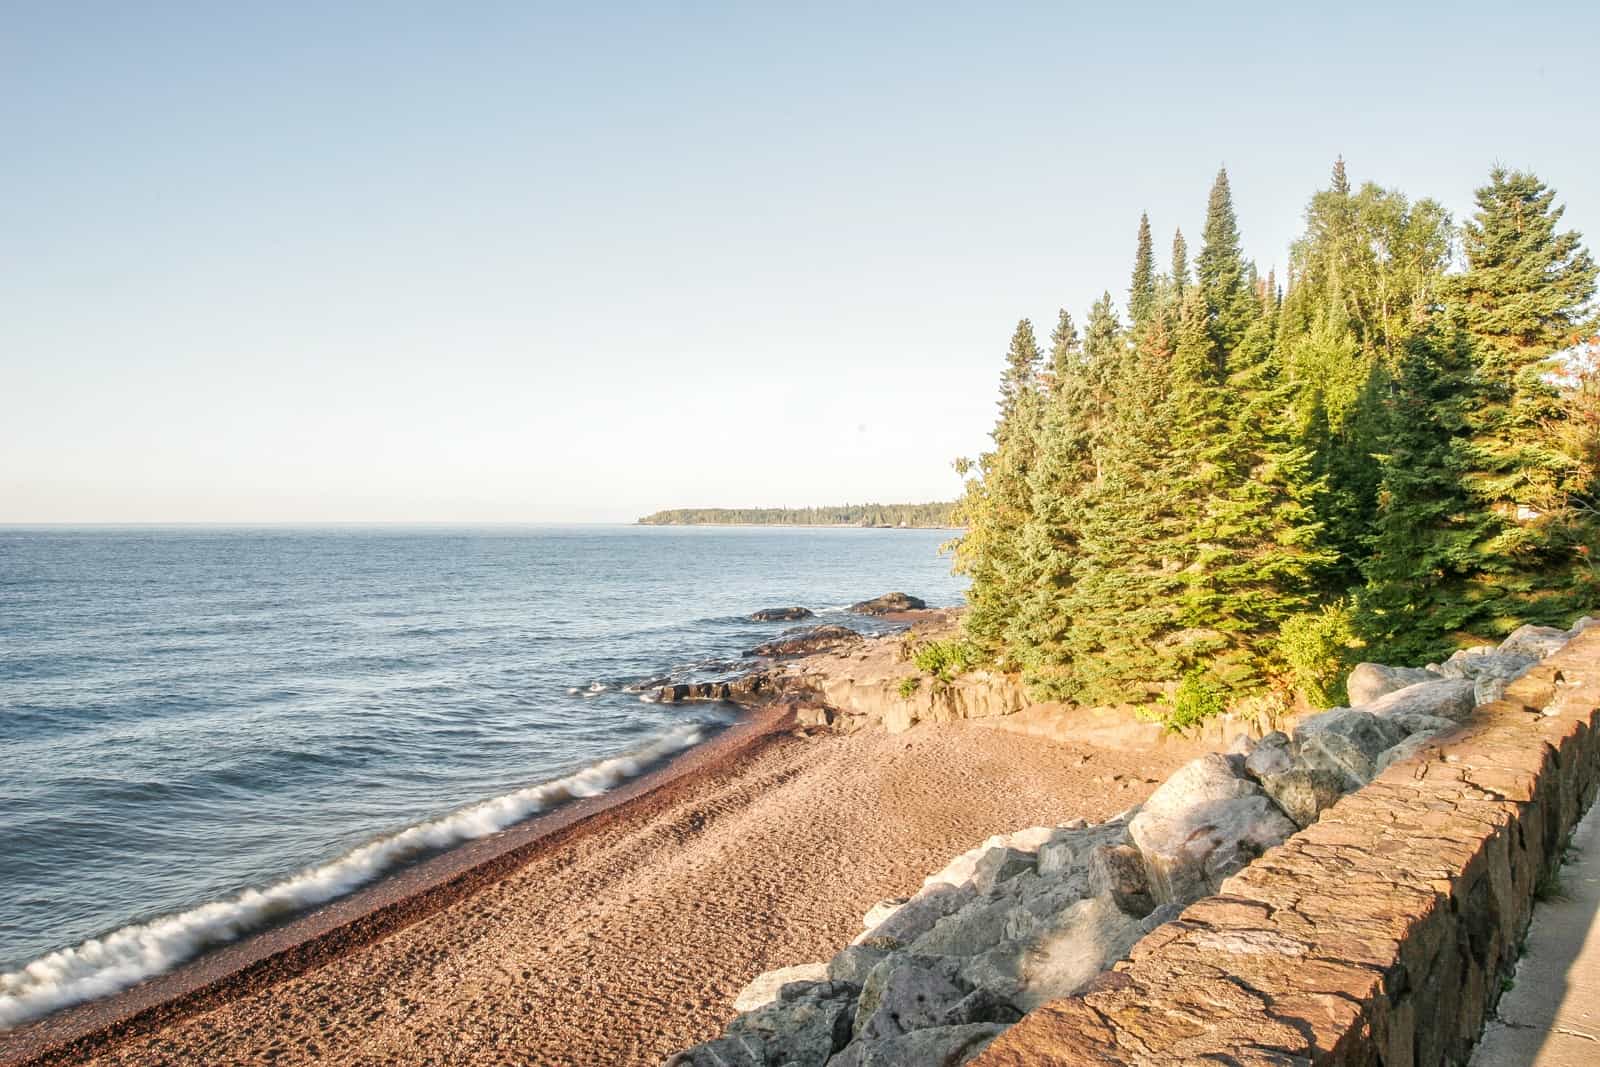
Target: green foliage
<point>1316,647</point>
<point>945,660</point>
<point>1197,698</point>
<point>1167,502</point>
<point>908,686</point>
<point>917,515</point>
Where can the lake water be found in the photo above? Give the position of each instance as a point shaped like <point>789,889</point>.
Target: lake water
<point>205,729</point>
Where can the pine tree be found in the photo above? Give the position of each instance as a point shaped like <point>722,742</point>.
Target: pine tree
<point>1526,292</point>
<point>1022,370</point>
<point>1142,289</point>
<point>1422,589</point>
<point>1180,265</point>
<point>1066,351</point>
<point>1221,270</point>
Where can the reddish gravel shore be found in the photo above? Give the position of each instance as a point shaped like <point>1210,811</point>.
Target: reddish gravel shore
<point>625,937</point>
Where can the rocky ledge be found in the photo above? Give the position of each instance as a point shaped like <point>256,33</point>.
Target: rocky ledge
<point>1039,914</point>
<point>794,614</point>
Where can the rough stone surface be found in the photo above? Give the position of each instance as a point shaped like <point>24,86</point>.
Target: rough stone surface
<point>805,1026</point>
<point>1305,793</point>
<point>1201,825</point>
<point>916,916</point>
<point>1378,935</point>
<point>944,1046</point>
<point>1536,642</point>
<point>999,864</point>
<point>1369,681</point>
<point>1442,698</point>
<point>908,991</point>
<point>1271,755</point>
<point>854,963</point>
<point>1064,952</point>
<point>1347,741</point>
<point>1117,871</point>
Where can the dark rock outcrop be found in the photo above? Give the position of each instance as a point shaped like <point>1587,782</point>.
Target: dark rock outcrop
<point>794,614</point>
<point>805,641</point>
<point>888,604</point>
<point>744,688</point>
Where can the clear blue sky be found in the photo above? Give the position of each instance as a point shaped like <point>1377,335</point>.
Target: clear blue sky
<point>517,262</point>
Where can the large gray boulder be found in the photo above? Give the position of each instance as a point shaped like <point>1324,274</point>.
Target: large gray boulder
<point>1536,642</point>
<point>1369,681</point>
<point>1442,698</point>
<point>1416,723</point>
<point>1063,953</point>
<point>854,963</point>
<point>1411,746</point>
<point>1304,793</point>
<point>1347,741</point>
<point>732,1050</point>
<point>1270,755</point>
<point>805,1026</point>
<point>1118,872</point>
<point>908,991</point>
<point>942,1046</point>
<point>765,987</point>
<point>916,916</point>
<point>1204,823</point>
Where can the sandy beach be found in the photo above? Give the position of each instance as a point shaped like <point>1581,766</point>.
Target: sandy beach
<point>626,937</point>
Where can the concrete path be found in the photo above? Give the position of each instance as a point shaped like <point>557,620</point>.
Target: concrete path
<point>1551,1017</point>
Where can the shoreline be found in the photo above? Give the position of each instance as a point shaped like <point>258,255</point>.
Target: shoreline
<point>368,914</point>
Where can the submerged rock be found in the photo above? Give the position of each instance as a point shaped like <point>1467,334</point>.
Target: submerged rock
<point>792,614</point>
<point>888,604</point>
<point>1369,681</point>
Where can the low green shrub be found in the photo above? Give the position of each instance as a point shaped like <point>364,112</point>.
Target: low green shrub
<point>1197,698</point>
<point>909,686</point>
<point>1317,647</point>
<point>945,659</point>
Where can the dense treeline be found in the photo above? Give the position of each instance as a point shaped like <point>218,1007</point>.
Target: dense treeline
<point>1213,497</point>
<point>927,515</point>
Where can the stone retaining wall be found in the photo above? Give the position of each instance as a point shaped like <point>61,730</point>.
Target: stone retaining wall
<point>1378,935</point>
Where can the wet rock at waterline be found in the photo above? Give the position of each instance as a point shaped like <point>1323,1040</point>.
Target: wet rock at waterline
<point>888,604</point>
<point>792,614</point>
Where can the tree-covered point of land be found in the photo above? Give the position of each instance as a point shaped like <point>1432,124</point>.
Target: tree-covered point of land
<point>1212,498</point>
<point>934,516</point>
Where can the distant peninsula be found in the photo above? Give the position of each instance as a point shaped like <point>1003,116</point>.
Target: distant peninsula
<point>929,516</point>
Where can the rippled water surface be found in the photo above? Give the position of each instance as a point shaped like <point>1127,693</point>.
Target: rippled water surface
<point>187,713</point>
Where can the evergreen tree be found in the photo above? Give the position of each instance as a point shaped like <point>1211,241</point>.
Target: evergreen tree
<point>1022,371</point>
<point>1180,265</point>
<point>1221,270</point>
<point>1142,290</point>
<point>1421,592</point>
<point>1066,350</point>
<point>1525,293</point>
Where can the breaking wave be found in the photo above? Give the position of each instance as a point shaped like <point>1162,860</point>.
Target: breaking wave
<point>125,957</point>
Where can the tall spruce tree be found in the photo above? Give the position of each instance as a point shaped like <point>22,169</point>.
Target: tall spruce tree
<point>1221,271</point>
<point>1525,294</point>
<point>1066,351</point>
<point>1142,288</point>
<point>1180,265</point>
<point>1423,571</point>
<point>994,507</point>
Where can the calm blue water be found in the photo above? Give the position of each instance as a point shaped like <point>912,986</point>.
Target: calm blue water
<point>186,713</point>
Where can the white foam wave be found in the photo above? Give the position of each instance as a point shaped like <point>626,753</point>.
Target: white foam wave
<point>125,957</point>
